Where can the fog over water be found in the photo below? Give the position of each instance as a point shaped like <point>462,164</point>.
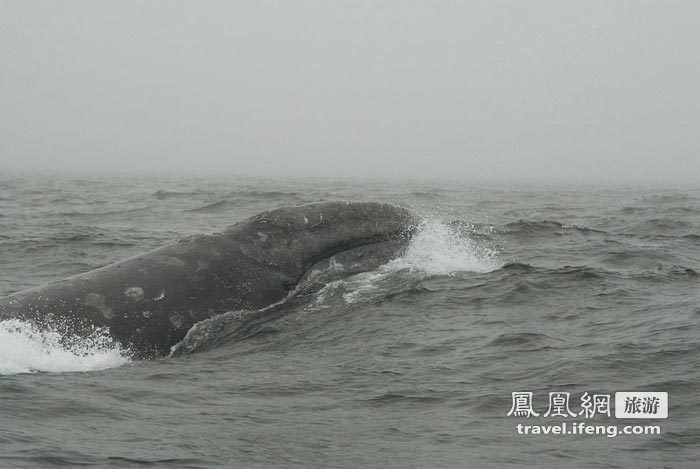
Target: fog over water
<point>496,90</point>
<point>205,176</point>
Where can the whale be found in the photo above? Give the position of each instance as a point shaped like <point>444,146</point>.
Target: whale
<point>147,303</point>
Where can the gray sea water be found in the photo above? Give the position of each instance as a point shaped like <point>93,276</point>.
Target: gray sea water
<point>504,288</point>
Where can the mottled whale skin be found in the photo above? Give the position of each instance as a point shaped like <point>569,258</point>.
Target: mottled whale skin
<point>150,301</point>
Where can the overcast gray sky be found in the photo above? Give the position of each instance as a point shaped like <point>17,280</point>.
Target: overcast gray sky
<point>553,90</point>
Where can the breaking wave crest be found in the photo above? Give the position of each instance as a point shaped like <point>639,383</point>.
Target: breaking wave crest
<point>439,248</point>
<point>24,348</point>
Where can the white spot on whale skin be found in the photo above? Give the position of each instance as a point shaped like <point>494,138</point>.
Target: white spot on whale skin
<point>147,314</point>
<point>176,320</point>
<point>306,221</point>
<point>262,236</point>
<point>160,297</point>
<point>134,293</point>
<point>201,265</point>
<point>98,301</point>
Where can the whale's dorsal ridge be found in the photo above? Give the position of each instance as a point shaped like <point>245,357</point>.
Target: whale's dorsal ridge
<point>151,300</point>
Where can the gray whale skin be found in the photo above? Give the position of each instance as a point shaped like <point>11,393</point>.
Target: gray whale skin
<point>150,301</point>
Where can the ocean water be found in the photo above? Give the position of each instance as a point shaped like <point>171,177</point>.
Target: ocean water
<point>537,288</point>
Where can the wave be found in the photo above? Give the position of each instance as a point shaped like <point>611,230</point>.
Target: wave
<point>131,210</point>
<point>669,197</point>
<point>681,210</point>
<point>238,197</point>
<point>526,279</point>
<point>570,271</point>
<point>433,194</point>
<point>664,224</point>
<point>517,267</point>
<point>582,272</point>
<point>630,210</point>
<point>165,194</point>
<point>408,398</point>
<point>24,348</point>
<point>213,207</point>
<point>438,248</point>
<point>530,340</point>
<point>683,271</point>
<point>68,237</point>
<point>264,194</point>
<point>529,228</point>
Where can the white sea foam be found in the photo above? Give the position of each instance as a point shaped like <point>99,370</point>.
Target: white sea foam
<point>363,285</point>
<point>26,349</point>
<point>440,249</point>
<point>436,248</point>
